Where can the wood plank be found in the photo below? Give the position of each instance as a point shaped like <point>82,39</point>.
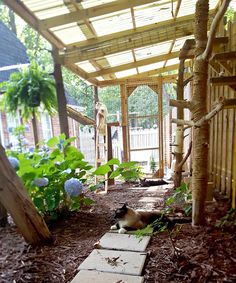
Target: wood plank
<point>230,80</point>
<point>124,113</point>
<point>224,56</point>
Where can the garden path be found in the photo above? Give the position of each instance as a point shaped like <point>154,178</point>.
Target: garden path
<point>120,257</point>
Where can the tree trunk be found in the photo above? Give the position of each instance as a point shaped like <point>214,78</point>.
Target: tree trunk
<point>15,199</point>
<point>199,104</point>
<point>179,129</point>
<point>35,129</point>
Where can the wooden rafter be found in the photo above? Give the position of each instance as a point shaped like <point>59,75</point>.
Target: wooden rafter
<point>136,64</point>
<point>137,40</point>
<point>155,72</point>
<point>174,18</point>
<point>92,12</point>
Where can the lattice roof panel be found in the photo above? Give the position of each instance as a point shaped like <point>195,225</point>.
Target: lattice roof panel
<point>103,40</point>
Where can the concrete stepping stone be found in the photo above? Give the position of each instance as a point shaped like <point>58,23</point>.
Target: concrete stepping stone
<point>124,262</point>
<point>124,242</point>
<point>158,200</point>
<point>88,276</point>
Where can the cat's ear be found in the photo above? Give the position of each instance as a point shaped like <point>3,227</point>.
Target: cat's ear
<point>125,205</point>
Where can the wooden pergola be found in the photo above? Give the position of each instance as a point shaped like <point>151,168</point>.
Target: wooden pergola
<point>130,43</point>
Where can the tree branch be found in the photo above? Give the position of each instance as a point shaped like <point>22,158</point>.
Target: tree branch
<point>180,165</point>
<point>180,103</point>
<point>189,79</point>
<point>205,55</point>
<point>181,122</point>
<point>221,104</point>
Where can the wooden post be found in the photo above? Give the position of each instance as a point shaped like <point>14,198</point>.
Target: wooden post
<point>124,112</point>
<point>15,199</point>
<point>95,100</point>
<point>61,98</point>
<point>160,125</point>
<point>109,153</point>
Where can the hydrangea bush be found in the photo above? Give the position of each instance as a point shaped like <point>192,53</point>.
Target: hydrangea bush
<point>55,176</point>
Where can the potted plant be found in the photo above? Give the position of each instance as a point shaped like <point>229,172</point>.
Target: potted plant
<point>27,90</point>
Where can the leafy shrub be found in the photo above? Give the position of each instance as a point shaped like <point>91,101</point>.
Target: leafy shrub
<point>128,171</point>
<point>228,220</point>
<point>54,176</point>
<point>181,196</point>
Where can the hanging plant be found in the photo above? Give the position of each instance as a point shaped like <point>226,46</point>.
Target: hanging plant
<point>27,90</point>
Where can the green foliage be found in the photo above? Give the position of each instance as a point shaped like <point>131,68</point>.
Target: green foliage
<point>153,164</point>
<point>28,89</point>
<point>19,133</point>
<point>128,171</point>
<point>181,196</point>
<point>228,220</point>
<point>229,15</point>
<point>57,161</point>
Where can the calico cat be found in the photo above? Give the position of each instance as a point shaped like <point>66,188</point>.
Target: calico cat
<point>130,219</point>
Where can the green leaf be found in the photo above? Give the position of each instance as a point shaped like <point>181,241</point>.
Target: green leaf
<point>127,164</point>
<point>71,139</point>
<point>170,200</point>
<point>88,201</point>
<point>55,153</point>
<point>102,170</point>
<point>39,203</point>
<point>52,142</point>
<point>115,173</point>
<point>113,161</point>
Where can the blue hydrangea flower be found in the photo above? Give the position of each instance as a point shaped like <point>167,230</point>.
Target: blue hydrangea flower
<point>14,162</point>
<point>73,187</point>
<point>41,182</point>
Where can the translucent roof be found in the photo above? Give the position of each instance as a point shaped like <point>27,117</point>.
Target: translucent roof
<point>105,40</point>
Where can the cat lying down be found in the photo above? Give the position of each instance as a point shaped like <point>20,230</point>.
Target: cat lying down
<point>129,219</point>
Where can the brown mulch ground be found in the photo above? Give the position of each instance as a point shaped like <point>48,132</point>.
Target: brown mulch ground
<point>193,255</point>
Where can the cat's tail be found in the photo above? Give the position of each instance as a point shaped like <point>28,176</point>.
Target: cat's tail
<point>173,221</point>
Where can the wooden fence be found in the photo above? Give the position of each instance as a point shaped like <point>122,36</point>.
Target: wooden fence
<point>222,149</point>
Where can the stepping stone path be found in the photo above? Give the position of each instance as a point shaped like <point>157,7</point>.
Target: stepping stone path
<point>120,257</point>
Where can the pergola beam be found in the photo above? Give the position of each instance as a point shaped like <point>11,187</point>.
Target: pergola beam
<point>139,77</point>
<point>136,64</point>
<point>92,12</point>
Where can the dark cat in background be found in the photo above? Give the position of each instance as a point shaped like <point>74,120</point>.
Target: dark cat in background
<point>130,219</point>
<point>148,183</point>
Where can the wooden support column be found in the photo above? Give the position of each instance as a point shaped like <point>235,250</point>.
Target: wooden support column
<point>61,98</point>
<point>124,112</point>
<point>95,100</point>
<point>109,153</point>
<point>160,122</point>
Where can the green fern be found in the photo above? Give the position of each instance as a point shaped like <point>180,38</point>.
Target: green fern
<point>27,90</point>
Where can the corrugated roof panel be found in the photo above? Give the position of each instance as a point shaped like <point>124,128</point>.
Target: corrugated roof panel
<point>100,79</point>
<point>91,3</point>
<point>151,67</point>
<point>151,51</point>
<point>179,43</point>
<point>153,13</point>
<point>126,73</point>
<point>86,66</point>
<point>109,25</point>
<point>172,62</point>
<point>188,7</point>
<point>120,58</point>
<point>72,33</point>
<point>47,9</point>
